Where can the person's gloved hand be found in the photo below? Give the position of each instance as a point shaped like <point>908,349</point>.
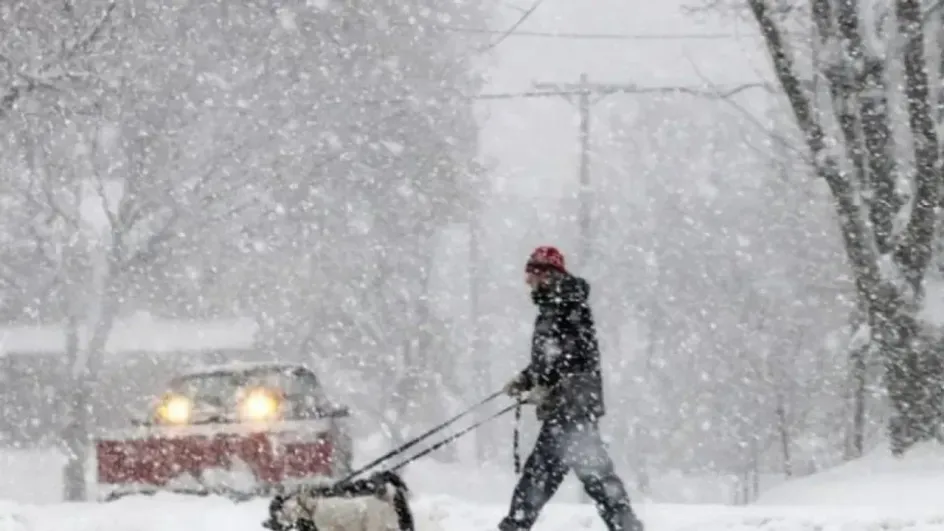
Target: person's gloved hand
<point>516,386</point>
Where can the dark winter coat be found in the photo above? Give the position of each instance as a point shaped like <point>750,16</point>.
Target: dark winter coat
<point>565,355</point>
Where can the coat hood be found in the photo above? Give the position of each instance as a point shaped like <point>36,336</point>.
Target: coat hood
<point>563,289</point>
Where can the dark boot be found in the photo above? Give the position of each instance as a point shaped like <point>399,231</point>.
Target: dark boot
<point>622,519</point>
<point>507,524</point>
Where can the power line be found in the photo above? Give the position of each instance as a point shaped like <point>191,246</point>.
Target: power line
<point>605,89</point>
<point>603,36</point>
<point>513,31</point>
<point>571,90</point>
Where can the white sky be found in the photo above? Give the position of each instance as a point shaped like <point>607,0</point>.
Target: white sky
<point>534,142</point>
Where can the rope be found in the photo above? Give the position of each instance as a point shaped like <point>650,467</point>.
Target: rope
<point>454,436</point>
<point>517,436</point>
<point>418,439</point>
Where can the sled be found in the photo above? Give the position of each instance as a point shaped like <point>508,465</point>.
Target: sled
<point>239,431</point>
<point>376,503</point>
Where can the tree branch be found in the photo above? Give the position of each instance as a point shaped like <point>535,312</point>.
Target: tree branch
<point>149,250</point>
<point>858,240</point>
<point>874,142</point>
<point>93,34</point>
<point>725,97</point>
<point>40,182</point>
<point>39,79</point>
<point>789,79</point>
<point>840,61</point>
<point>12,278</point>
<point>114,224</point>
<point>914,251</point>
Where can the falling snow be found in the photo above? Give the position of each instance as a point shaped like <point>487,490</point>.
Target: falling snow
<point>345,193</point>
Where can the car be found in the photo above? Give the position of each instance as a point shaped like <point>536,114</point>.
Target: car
<point>238,429</point>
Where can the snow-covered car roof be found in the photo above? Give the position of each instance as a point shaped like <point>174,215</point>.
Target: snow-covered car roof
<point>241,367</point>
<point>218,382</point>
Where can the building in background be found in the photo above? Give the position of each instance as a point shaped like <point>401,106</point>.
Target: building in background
<point>141,354</point>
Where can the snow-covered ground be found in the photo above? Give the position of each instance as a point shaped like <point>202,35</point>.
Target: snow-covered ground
<point>434,513</point>
<point>30,476</point>
<point>872,494</point>
<point>914,482</point>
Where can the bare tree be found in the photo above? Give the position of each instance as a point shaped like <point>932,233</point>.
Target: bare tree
<point>105,196</point>
<point>44,48</point>
<point>889,262</point>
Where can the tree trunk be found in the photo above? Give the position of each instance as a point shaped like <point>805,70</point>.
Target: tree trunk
<point>74,433</point>
<point>783,427</point>
<point>913,372</point>
<point>912,369</point>
<point>99,310</point>
<point>859,376</point>
<point>914,254</point>
<point>755,470</point>
<point>81,426</point>
<point>863,95</point>
<point>859,354</point>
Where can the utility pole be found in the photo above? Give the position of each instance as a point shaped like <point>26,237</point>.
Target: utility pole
<point>584,95</point>
<point>579,94</point>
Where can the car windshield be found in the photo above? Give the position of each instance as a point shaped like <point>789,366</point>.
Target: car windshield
<point>221,388</point>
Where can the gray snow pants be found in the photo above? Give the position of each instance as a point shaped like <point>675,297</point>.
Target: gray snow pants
<point>564,445</point>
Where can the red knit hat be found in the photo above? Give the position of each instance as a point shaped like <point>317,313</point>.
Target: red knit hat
<point>546,256</point>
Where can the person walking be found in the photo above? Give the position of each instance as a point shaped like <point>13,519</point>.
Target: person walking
<point>564,382</point>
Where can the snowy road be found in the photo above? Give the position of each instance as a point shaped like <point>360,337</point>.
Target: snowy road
<point>175,513</point>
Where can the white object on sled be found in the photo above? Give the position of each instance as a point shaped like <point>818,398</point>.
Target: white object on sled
<point>362,513</point>
<point>363,505</point>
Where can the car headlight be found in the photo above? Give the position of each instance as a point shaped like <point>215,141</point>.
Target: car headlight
<point>175,409</point>
<point>259,404</point>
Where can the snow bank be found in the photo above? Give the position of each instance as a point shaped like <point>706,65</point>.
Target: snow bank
<point>10,518</point>
<point>915,481</point>
<point>30,476</point>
